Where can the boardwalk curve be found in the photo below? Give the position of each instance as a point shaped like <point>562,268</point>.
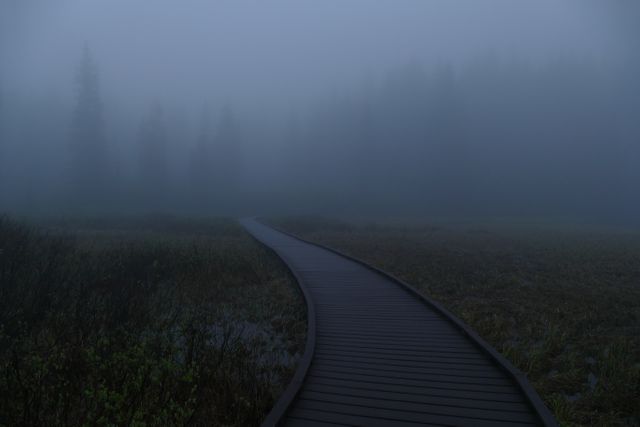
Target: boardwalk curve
<point>379,353</point>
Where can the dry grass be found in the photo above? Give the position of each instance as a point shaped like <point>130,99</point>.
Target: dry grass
<point>153,321</point>
<point>563,304</point>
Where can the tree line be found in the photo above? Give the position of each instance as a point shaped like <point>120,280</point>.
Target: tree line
<point>489,136</point>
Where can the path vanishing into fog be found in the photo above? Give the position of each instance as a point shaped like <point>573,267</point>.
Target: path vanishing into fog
<point>379,354</point>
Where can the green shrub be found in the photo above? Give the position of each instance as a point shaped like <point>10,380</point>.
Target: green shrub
<point>148,327</point>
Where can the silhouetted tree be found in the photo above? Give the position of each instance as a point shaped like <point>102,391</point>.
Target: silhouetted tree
<point>2,139</point>
<point>1,116</point>
<point>448,139</point>
<point>201,167</point>
<point>89,147</point>
<point>153,155</point>
<point>227,154</point>
<point>293,157</point>
<point>365,149</point>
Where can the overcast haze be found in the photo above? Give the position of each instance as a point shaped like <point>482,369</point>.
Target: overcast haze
<point>439,107</point>
<point>275,51</point>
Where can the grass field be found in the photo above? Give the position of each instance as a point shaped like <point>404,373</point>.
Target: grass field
<point>150,321</point>
<point>562,303</point>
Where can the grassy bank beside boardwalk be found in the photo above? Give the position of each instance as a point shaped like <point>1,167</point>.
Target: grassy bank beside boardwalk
<point>560,302</point>
<point>147,321</point>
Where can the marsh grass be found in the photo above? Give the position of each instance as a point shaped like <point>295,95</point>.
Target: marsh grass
<point>143,322</point>
<point>563,304</point>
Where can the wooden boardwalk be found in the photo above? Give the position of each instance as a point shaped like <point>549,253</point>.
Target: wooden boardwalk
<point>380,354</point>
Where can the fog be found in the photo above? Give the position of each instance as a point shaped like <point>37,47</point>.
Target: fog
<point>494,108</point>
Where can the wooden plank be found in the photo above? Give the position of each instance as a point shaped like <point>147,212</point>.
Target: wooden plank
<point>436,351</point>
<point>429,389</point>
<point>386,402</point>
<point>405,352</point>
<point>470,401</point>
<point>424,361</point>
<point>382,344</point>
<point>423,373</point>
<point>319,416</point>
<point>402,415</point>
<point>305,422</point>
<point>381,379</point>
<point>420,336</point>
<point>451,369</point>
<point>413,378</point>
<point>390,344</point>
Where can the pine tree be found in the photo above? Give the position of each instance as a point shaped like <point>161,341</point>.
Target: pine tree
<point>153,155</point>
<point>227,152</point>
<point>201,168</point>
<point>2,143</point>
<point>89,147</point>
<point>2,101</point>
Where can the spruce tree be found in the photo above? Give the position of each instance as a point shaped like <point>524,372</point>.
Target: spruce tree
<point>89,147</point>
<point>153,156</point>
<point>227,152</point>
<point>201,167</point>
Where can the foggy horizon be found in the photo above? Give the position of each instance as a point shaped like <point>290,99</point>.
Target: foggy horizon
<point>494,108</point>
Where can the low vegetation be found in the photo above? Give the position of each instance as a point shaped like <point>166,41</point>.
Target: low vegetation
<point>143,322</point>
<point>562,303</point>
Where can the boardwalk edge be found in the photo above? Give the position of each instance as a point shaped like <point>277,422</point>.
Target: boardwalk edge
<point>293,388</point>
<point>536,402</point>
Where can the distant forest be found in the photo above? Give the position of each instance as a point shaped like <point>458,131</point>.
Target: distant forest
<point>491,136</point>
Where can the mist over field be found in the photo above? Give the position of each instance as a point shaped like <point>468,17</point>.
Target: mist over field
<point>414,107</point>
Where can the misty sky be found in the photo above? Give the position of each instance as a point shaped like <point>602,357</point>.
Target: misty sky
<point>521,106</point>
<point>278,53</point>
